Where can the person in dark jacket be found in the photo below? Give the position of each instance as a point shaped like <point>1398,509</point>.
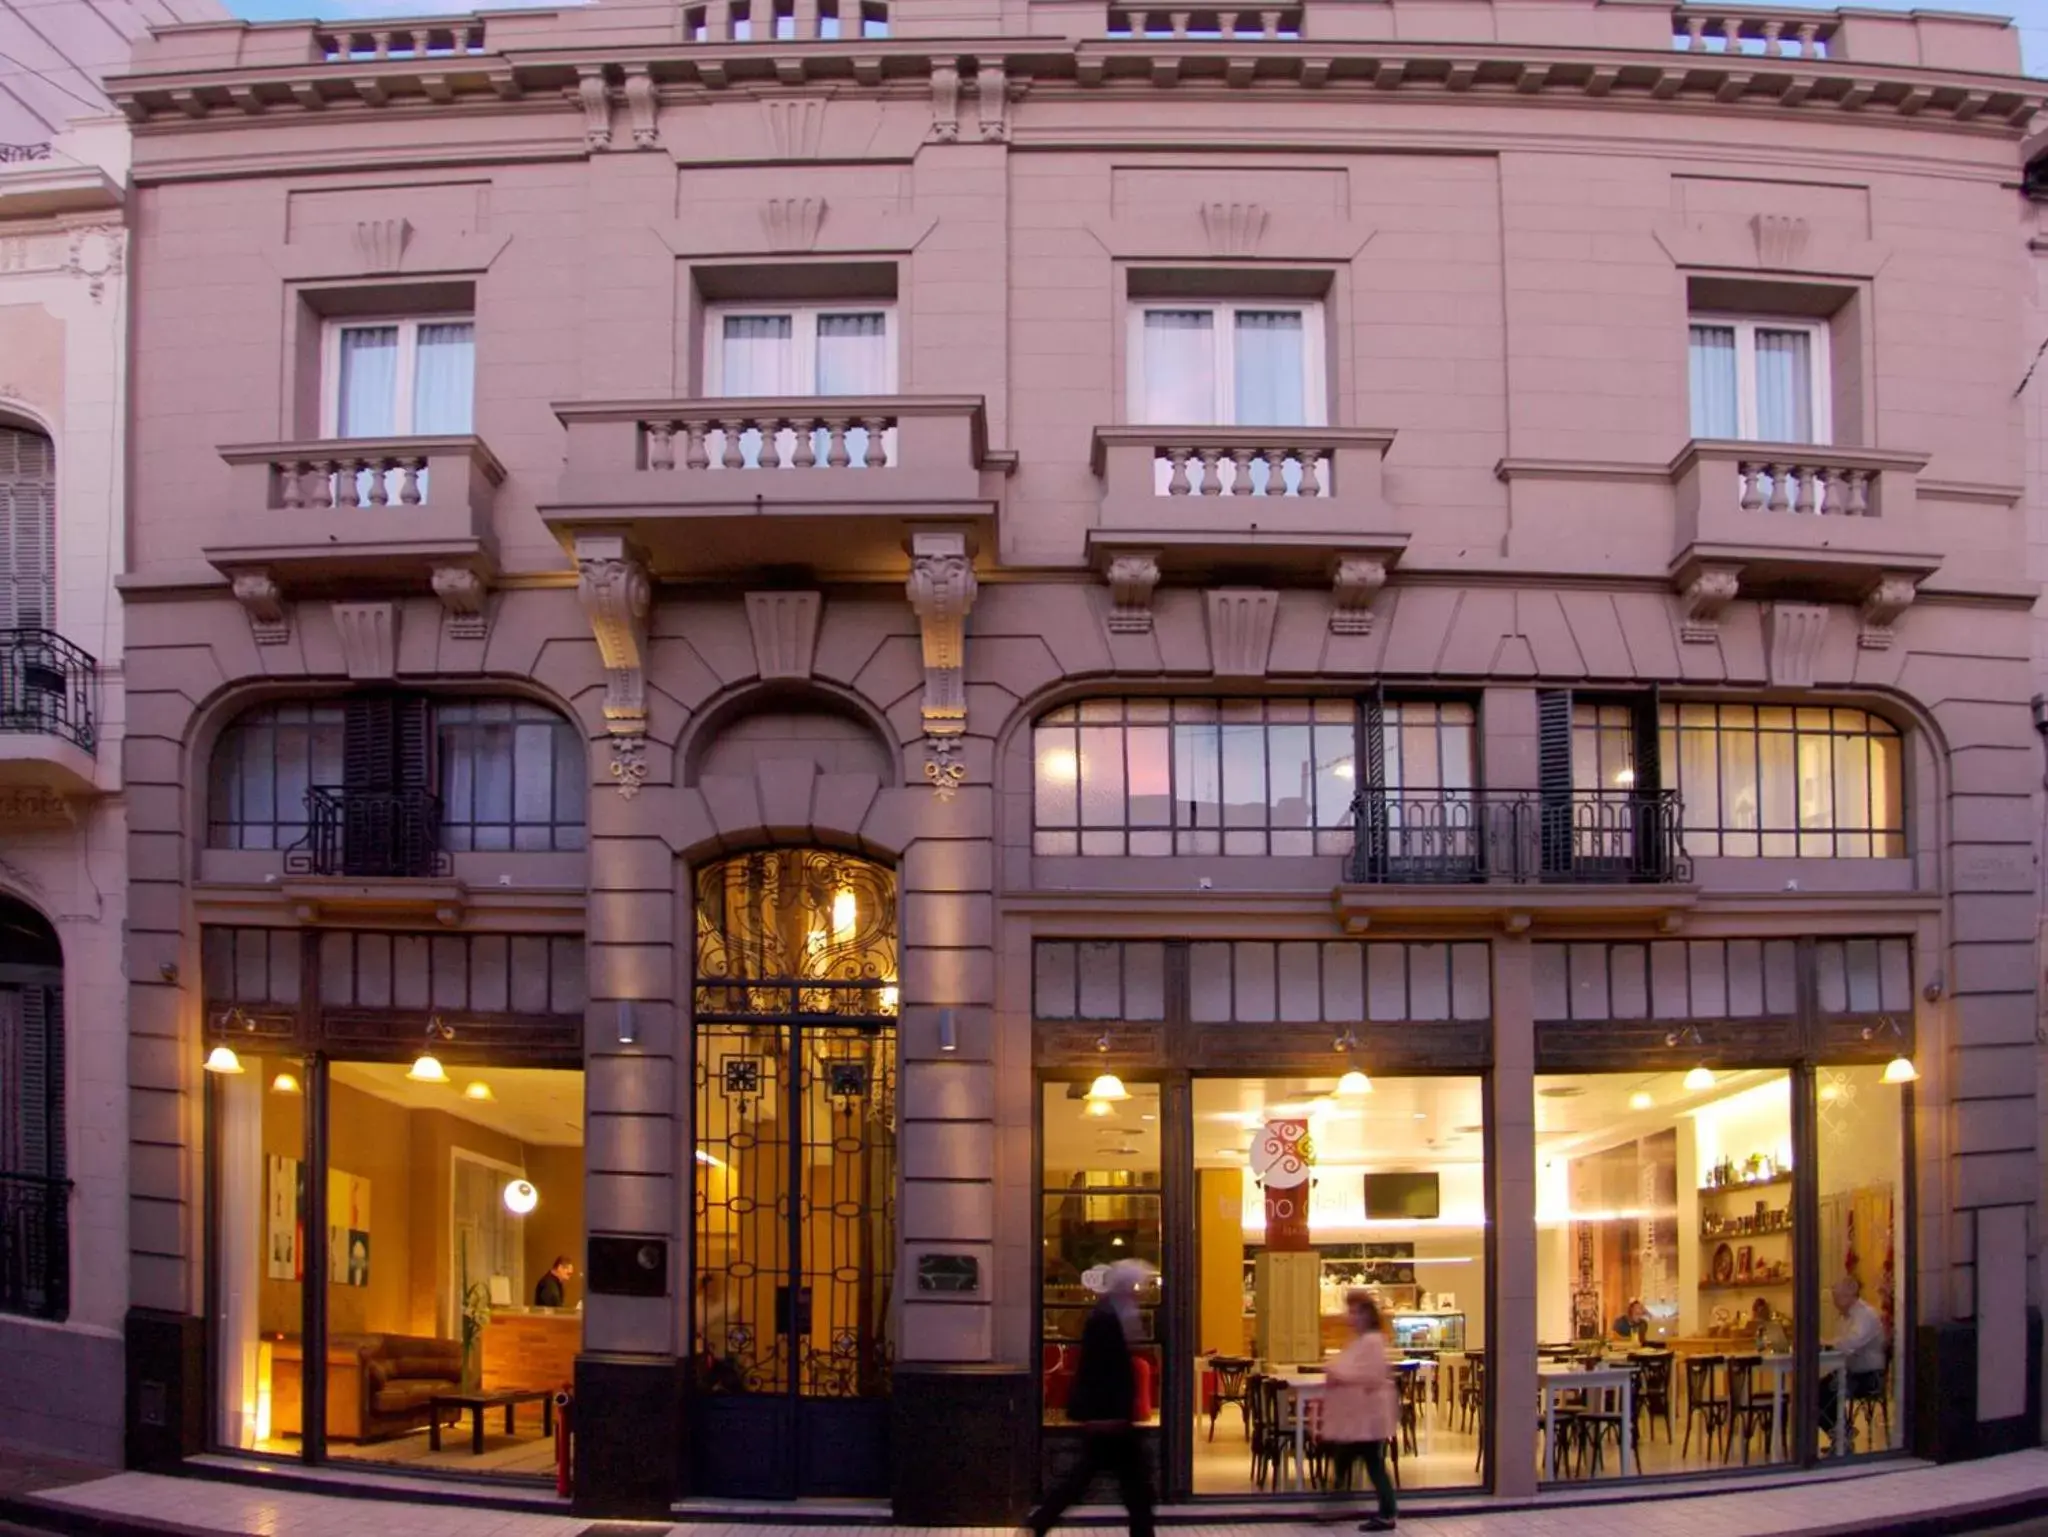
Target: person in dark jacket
<point>1104,1403</point>
<point>550,1291</point>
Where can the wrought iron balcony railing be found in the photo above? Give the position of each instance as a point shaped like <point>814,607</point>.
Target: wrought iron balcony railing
<point>48,686</point>
<point>35,1245</point>
<point>377,834</point>
<point>1457,837</point>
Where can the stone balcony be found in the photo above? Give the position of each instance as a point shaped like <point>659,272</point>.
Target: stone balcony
<point>1781,520</point>
<point>348,516</point>
<point>835,485</point>
<point>49,726</point>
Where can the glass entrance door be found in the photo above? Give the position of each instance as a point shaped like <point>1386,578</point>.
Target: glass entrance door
<point>795,1177</point>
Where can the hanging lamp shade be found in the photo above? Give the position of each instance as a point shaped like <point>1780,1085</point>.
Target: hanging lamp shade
<point>1108,1087</point>
<point>1901,1070</point>
<point>1700,1078</point>
<point>222,1059</point>
<point>427,1068</point>
<point>1353,1084</point>
<point>284,1083</point>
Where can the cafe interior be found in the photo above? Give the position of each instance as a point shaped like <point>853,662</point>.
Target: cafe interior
<point>1666,1289</point>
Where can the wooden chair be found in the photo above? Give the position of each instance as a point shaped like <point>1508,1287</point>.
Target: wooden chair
<point>1233,1375</point>
<point>1750,1408</point>
<point>1653,1390</point>
<point>1704,1400</point>
<point>1265,1449</point>
<point>1873,1406</point>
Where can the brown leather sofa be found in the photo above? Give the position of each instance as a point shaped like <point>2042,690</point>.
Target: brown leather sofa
<point>378,1385</point>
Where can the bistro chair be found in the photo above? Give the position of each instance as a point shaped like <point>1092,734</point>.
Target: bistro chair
<point>1232,1379</point>
<point>1705,1401</point>
<point>1472,1390</point>
<point>1600,1415</point>
<point>1750,1409</point>
<point>1265,1449</point>
<point>1408,1379</point>
<point>1653,1390</point>
<point>1873,1406</point>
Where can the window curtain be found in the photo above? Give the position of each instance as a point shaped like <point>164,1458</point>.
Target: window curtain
<point>853,359</point>
<point>368,404</point>
<point>1712,366</point>
<point>1271,369</point>
<point>242,1263</point>
<point>444,381</point>
<point>1784,386</point>
<point>1179,368</point>
<point>754,361</point>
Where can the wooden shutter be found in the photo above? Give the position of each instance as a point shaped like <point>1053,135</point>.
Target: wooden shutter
<point>1649,741</point>
<point>1554,779</point>
<point>41,1095</point>
<point>28,530</point>
<point>390,820</point>
<point>1369,831</point>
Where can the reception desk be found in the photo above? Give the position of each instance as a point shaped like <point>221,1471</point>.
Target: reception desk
<point>531,1349</point>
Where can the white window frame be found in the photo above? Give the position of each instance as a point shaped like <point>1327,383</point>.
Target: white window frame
<point>408,364</point>
<point>801,360</point>
<point>1315,393</point>
<point>1820,380</point>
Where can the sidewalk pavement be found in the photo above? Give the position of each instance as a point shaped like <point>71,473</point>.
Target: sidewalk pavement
<point>1912,1500</point>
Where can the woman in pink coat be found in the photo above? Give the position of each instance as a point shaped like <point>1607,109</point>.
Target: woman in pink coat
<point>1361,1410</point>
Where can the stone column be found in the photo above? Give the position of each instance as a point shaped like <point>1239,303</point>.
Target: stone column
<point>1511,1174</point>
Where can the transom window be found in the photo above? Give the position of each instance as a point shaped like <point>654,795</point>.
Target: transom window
<point>399,378</point>
<point>1775,781</point>
<point>509,774</point>
<point>1761,380</point>
<point>1227,365</point>
<point>1195,776</point>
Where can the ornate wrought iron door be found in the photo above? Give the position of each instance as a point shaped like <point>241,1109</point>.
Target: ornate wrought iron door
<point>793,1261</point>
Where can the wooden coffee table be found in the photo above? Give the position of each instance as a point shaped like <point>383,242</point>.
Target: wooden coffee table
<point>477,1403</point>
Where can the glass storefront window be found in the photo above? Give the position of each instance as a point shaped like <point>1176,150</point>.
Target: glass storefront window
<point>1305,1188</point>
<point>1664,1255</point>
<point>1861,1170</point>
<point>260,1113</point>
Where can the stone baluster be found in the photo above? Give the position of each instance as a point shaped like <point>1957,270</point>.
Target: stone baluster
<point>1310,459</point>
<point>1731,33</point>
<point>1269,24</point>
<point>1177,478</point>
<point>373,466</point>
<point>380,44</point>
<point>876,454</point>
<point>1832,500</point>
<point>323,482</point>
<point>1212,476</point>
<point>1773,30</point>
<point>770,457</point>
<point>1696,34</point>
<point>805,454</point>
<point>696,455</point>
<point>1806,501</point>
<point>409,484</point>
<point>1780,501</point>
<point>1859,493</point>
<point>1241,471</point>
<point>1750,477</point>
<point>804,18</point>
<point>735,452</point>
<point>291,485</point>
<point>836,456</point>
<point>1180,24</point>
<point>661,445</point>
<point>1809,36</point>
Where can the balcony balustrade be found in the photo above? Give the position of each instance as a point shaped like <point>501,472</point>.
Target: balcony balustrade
<point>784,21</point>
<point>715,486</point>
<point>1469,837</point>
<point>1754,30</point>
<point>455,38</point>
<point>375,508</point>
<point>371,834</point>
<point>1182,24</point>
<point>35,1246</point>
<point>49,720</point>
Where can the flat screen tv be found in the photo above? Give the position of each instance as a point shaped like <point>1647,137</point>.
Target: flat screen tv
<point>1403,1197</point>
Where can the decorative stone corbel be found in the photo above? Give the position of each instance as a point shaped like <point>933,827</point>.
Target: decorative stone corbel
<point>943,768</point>
<point>1792,637</point>
<point>462,592</point>
<point>1882,608</point>
<point>263,601</point>
<point>1706,595</point>
<point>785,626</point>
<point>369,640</point>
<point>1356,581</point>
<point>616,593</point>
<point>629,764</point>
<point>941,590</point>
<point>1132,579</point>
<point>945,101</point>
<point>596,99</point>
<point>992,93</point>
<point>640,107</point>
<point>1241,630</point>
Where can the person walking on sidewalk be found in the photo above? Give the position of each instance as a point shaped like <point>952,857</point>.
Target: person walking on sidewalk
<point>1361,1410</point>
<point>1104,1403</point>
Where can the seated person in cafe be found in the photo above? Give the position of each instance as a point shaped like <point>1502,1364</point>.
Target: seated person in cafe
<point>1859,1335</point>
<point>1634,1323</point>
<point>1768,1328</point>
<point>548,1291</point>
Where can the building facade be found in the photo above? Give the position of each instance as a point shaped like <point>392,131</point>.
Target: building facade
<point>63,841</point>
<point>839,664</point>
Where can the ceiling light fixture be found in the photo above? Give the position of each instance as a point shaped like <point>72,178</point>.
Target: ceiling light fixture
<point>1699,1080</point>
<point>1641,1100</point>
<point>1701,1077</point>
<point>426,1067</point>
<point>520,1197</point>
<point>222,1059</point>
<point>284,1083</point>
<point>1354,1083</point>
<point>1900,1069</point>
<point>479,1091</point>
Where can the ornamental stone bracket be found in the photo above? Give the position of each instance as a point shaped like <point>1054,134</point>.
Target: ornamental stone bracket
<point>594,94</point>
<point>369,640</point>
<point>1792,636</point>
<point>1882,608</point>
<point>1132,581</point>
<point>1355,581</point>
<point>1241,630</point>
<point>263,600</point>
<point>616,592</point>
<point>595,97</point>
<point>1704,594</point>
<point>941,591</point>
<point>785,628</point>
<point>945,102</point>
<point>463,593</point>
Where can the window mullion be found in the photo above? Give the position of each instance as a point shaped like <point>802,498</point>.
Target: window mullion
<point>1746,418</point>
<point>802,372</point>
<point>1224,330</point>
<point>402,390</point>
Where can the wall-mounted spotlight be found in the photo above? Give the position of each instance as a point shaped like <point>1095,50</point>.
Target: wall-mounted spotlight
<point>629,1023</point>
<point>949,1031</point>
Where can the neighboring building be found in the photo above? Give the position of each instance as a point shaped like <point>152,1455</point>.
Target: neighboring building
<point>843,661</point>
<point>63,841</point>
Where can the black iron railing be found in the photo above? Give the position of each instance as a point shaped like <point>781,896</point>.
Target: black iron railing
<point>35,1245</point>
<point>1454,837</point>
<point>372,833</point>
<point>49,686</point>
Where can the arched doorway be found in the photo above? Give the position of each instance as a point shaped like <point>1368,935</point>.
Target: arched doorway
<point>35,1231</point>
<point>795,1175</point>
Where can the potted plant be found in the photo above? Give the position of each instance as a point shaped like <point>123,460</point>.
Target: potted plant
<point>476,1313</point>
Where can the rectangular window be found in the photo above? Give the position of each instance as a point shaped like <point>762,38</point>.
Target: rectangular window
<point>1227,365</point>
<point>801,352</point>
<point>1774,781</point>
<point>399,378</point>
<point>1764,381</point>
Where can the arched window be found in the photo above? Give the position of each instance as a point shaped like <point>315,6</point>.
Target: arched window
<point>469,774</point>
<point>35,1243</point>
<point>28,530</point>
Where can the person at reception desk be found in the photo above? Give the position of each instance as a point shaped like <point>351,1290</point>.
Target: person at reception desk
<point>550,1290</point>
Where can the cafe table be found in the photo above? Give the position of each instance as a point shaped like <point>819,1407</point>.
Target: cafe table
<point>1777,1364</point>
<point>1306,1388</point>
<point>1552,1381</point>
